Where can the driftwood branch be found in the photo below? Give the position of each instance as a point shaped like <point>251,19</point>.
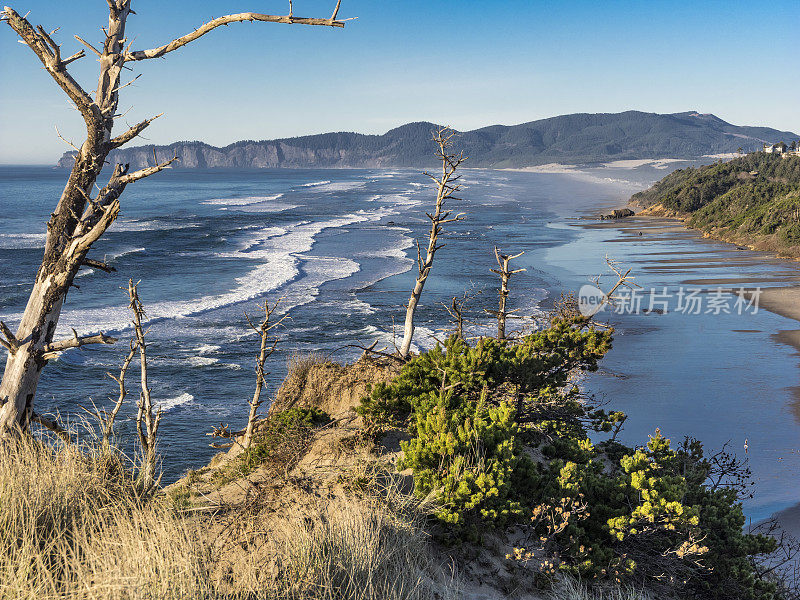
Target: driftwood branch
<point>51,350</point>
<point>227,20</point>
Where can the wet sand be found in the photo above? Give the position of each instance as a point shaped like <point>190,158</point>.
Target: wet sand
<point>780,293</point>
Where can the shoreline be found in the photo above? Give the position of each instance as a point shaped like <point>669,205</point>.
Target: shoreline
<point>781,300</point>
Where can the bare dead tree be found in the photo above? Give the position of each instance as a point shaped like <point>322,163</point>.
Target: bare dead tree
<point>623,280</point>
<point>455,309</point>
<point>267,348</point>
<point>79,219</point>
<point>107,420</point>
<point>446,187</point>
<point>505,273</point>
<point>147,421</point>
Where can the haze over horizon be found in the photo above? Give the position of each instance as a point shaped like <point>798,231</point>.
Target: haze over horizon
<point>516,63</point>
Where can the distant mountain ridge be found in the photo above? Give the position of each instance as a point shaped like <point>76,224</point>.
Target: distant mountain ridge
<point>571,139</point>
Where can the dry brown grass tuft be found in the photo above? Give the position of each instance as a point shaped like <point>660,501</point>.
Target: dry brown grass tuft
<point>354,550</point>
<point>301,363</point>
<point>72,527</point>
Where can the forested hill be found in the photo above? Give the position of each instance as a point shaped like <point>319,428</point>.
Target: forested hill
<point>571,139</point>
<point>753,200</point>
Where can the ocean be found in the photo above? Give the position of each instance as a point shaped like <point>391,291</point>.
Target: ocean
<point>336,247</point>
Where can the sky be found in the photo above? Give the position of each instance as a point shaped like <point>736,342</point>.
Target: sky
<point>462,63</point>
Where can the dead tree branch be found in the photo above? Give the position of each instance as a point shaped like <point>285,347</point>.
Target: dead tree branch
<point>52,425</point>
<point>505,273</point>
<point>108,419</point>
<point>49,54</point>
<point>76,341</point>
<point>133,132</point>
<point>446,187</point>
<point>11,343</point>
<point>96,264</point>
<point>267,348</point>
<point>227,20</point>
<point>147,421</point>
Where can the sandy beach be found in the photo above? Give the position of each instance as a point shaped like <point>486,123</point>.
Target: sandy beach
<point>780,293</point>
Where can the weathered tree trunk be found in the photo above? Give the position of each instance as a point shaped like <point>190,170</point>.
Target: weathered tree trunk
<point>505,274</point>
<point>445,188</point>
<point>79,220</point>
<point>266,349</point>
<point>146,421</point>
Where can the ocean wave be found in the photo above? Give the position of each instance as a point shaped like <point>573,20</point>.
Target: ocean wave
<point>207,349</point>
<point>112,256</point>
<point>279,257</point>
<point>134,225</point>
<point>202,361</point>
<point>240,201</point>
<point>267,204</point>
<point>314,184</point>
<point>22,241</point>
<point>276,252</point>
<point>338,186</point>
<point>170,403</point>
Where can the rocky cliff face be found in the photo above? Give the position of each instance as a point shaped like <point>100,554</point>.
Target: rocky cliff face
<point>579,138</point>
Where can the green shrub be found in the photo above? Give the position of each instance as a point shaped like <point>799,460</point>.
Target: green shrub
<point>469,459</point>
<point>594,510</point>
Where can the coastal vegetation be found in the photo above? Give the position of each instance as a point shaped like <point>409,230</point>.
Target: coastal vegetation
<point>753,200</point>
<point>501,437</point>
<point>382,481</point>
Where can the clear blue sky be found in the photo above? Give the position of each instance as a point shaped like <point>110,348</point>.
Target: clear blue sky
<point>460,62</point>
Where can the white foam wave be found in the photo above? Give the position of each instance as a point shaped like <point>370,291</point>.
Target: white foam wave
<point>267,204</point>
<point>132,225</point>
<point>338,186</point>
<point>241,201</point>
<point>111,256</point>
<point>202,361</point>
<point>315,184</point>
<point>423,338</point>
<point>276,252</point>
<point>22,241</point>
<point>170,403</point>
<point>207,349</point>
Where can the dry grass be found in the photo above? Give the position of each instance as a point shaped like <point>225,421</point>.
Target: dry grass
<point>571,589</point>
<point>72,527</point>
<point>300,363</point>
<point>352,550</point>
